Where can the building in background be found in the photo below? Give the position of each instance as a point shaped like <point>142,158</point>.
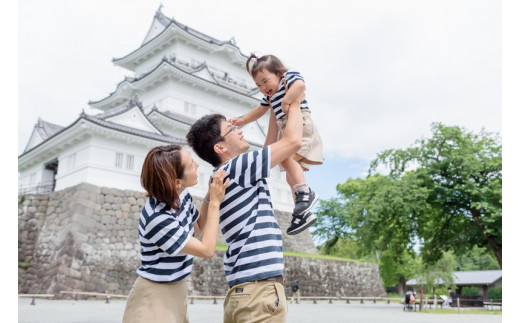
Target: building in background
<point>178,75</point>
<point>482,279</point>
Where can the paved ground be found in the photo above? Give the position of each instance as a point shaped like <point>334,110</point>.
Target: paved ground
<point>204,311</point>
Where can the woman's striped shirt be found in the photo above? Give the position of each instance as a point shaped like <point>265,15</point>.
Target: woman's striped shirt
<point>276,99</point>
<point>247,220</point>
<point>163,232</point>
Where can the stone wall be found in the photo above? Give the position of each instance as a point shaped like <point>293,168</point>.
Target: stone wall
<point>316,277</point>
<point>85,238</point>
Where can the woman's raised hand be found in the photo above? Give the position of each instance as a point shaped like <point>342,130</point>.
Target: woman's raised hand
<point>218,186</point>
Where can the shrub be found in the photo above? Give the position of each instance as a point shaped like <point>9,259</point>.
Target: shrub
<point>495,293</point>
<point>470,291</point>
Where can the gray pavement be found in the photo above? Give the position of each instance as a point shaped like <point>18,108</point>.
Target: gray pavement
<point>204,311</point>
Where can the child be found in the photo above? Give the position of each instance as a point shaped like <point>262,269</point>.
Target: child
<point>280,88</point>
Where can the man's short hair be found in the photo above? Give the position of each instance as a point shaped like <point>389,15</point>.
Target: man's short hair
<point>203,136</point>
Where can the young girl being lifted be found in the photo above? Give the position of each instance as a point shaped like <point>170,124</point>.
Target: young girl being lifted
<point>280,88</point>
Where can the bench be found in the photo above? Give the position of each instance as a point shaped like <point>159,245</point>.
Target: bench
<point>105,295</point>
<point>34,296</point>
<point>435,302</point>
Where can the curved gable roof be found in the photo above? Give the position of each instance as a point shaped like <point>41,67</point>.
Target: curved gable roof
<point>183,69</point>
<point>171,24</point>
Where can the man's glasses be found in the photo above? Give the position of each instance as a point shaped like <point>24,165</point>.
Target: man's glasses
<point>233,128</point>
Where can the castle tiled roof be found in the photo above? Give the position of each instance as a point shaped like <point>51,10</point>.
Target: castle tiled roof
<point>165,21</point>
<point>186,68</point>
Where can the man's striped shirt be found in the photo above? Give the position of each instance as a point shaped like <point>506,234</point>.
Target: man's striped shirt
<point>276,99</point>
<point>163,232</point>
<point>247,220</point>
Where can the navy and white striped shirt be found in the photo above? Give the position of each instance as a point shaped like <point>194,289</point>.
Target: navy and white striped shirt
<point>276,99</point>
<point>163,232</point>
<point>247,220</point>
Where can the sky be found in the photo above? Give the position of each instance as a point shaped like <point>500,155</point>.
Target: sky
<point>378,72</point>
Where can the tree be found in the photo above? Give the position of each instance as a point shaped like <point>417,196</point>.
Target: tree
<point>461,173</point>
<point>347,247</point>
<point>396,272</point>
<point>438,274</point>
<point>477,259</point>
<point>332,223</point>
<point>384,212</point>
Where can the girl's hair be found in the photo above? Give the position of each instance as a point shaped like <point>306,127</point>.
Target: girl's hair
<point>161,167</point>
<point>269,62</point>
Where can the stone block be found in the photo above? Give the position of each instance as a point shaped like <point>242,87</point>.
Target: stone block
<point>83,221</point>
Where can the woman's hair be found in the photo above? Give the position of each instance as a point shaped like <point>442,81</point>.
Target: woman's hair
<point>203,135</point>
<point>269,62</point>
<point>161,167</point>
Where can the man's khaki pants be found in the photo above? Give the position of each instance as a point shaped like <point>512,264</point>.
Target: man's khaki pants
<point>255,302</point>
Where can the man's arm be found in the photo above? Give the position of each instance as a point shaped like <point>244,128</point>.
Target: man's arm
<point>291,140</point>
<point>295,92</point>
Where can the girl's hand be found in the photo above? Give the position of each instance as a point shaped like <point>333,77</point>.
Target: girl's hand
<point>218,187</point>
<point>236,121</point>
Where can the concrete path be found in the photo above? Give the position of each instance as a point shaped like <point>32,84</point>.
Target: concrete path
<point>204,311</point>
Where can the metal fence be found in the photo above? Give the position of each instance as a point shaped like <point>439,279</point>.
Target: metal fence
<point>42,188</point>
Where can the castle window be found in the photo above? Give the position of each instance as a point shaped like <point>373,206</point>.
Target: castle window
<point>129,162</point>
<point>119,160</point>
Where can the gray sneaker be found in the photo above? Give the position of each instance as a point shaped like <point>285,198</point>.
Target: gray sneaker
<point>304,202</point>
<point>300,223</point>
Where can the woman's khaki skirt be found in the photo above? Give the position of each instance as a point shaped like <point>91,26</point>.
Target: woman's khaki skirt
<point>157,302</point>
<point>311,152</point>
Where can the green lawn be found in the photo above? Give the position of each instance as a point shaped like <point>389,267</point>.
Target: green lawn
<point>462,311</point>
<point>222,246</point>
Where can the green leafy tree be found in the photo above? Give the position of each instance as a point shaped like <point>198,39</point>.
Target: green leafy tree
<point>383,212</point>
<point>477,259</point>
<point>332,224</point>
<point>436,275</point>
<point>347,248</point>
<point>395,271</point>
<point>461,173</point>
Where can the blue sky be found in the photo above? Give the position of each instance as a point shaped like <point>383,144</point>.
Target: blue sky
<point>335,170</point>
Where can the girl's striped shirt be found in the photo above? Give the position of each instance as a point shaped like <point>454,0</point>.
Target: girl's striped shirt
<point>276,99</point>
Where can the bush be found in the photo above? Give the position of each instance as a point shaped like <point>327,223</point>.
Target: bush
<point>470,291</point>
<point>495,293</point>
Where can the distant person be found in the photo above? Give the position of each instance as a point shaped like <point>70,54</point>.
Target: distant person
<point>295,288</point>
<point>168,227</point>
<point>451,296</point>
<point>253,262</point>
<point>280,88</point>
<point>409,300</point>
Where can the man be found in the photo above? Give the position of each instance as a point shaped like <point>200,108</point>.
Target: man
<point>253,262</point>
<point>295,288</point>
<point>451,296</point>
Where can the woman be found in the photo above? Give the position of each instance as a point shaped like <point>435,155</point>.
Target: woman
<point>168,225</point>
